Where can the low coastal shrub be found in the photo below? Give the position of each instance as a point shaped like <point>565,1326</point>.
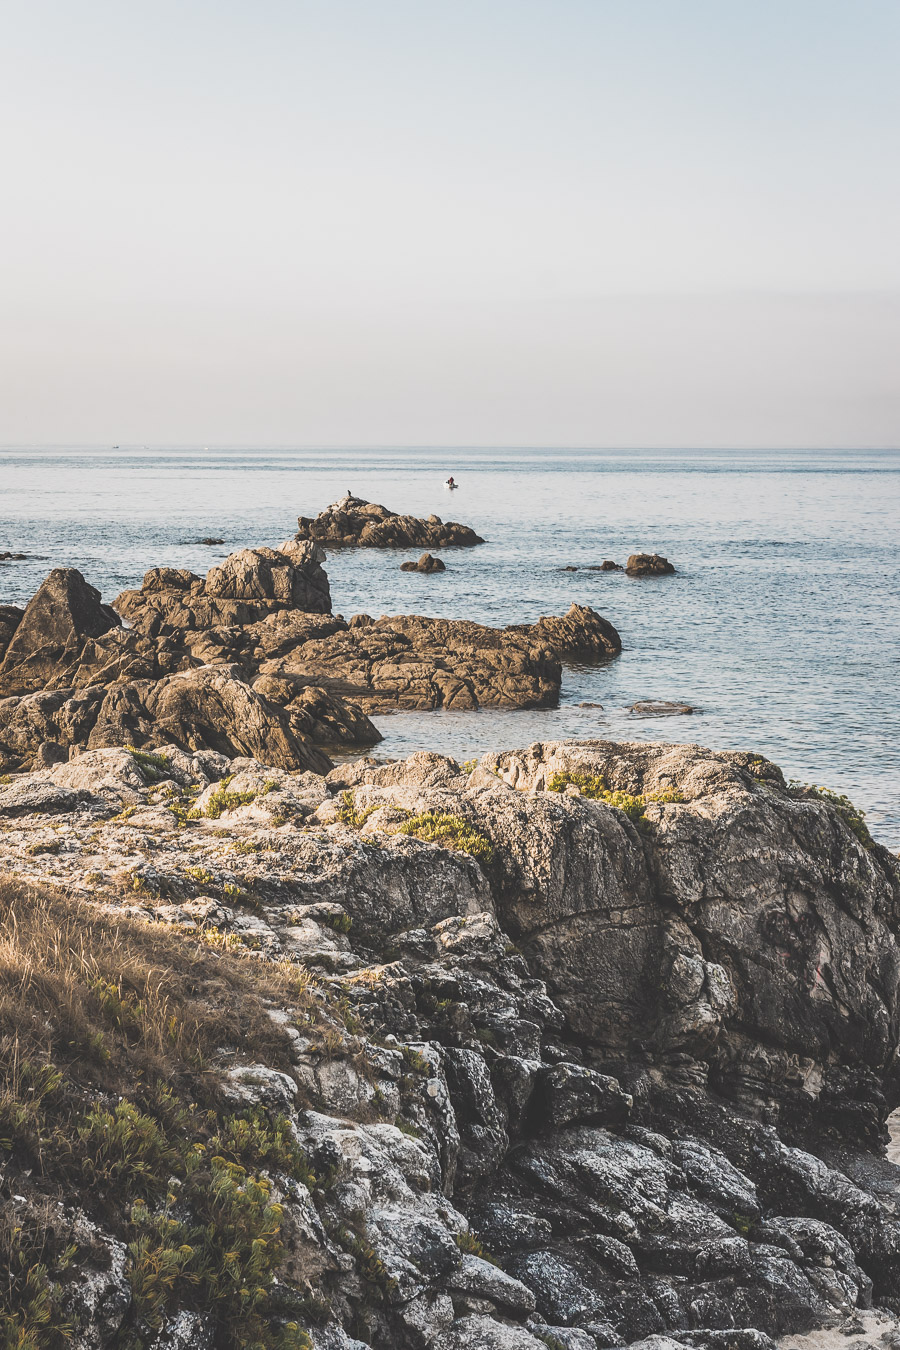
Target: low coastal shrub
<point>338,923</point>
<point>226,1259</point>
<point>437,827</point>
<point>468,1242</point>
<point>33,1259</point>
<point>348,814</point>
<point>222,800</point>
<point>851,814</point>
<point>153,767</point>
<point>201,875</point>
<point>594,787</point>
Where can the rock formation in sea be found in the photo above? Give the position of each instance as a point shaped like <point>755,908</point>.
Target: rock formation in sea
<point>250,661</point>
<point>648,565</point>
<point>576,1046</point>
<point>427,563</point>
<point>355,523</point>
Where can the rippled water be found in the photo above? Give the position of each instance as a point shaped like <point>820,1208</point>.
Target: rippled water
<point>781,626</point>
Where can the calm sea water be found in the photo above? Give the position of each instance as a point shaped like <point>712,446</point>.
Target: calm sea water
<point>782,626</point>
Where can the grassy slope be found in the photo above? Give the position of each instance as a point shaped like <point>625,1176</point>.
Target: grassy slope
<point>110,1033</point>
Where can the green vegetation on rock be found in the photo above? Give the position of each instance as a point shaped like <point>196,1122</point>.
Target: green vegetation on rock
<point>108,1098</point>
<point>851,814</point>
<point>437,827</point>
<point>595,788</point>
<point>348,814</point>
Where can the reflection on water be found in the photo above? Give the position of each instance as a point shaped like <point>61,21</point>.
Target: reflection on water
<point>782,626</point>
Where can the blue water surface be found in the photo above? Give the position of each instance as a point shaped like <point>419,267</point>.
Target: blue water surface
<point>782,625</point>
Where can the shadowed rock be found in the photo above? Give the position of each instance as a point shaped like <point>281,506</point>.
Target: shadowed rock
<point>264,614</point>
<point>10,618</point>
<point>355,523</point>
<point>244,589</point>
<point>660,708</point>
<point>210,708</point>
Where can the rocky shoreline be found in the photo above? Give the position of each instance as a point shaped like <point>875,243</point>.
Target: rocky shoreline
<point>586,1045</point>
<point>250,660</point>
<point>592,1043</point>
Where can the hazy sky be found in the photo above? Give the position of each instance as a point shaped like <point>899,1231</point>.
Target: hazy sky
<point>584,222</point>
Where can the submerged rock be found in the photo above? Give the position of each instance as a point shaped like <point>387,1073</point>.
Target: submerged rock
<point>660,708</point>
<point>426,563</point>
<point>355,523</point>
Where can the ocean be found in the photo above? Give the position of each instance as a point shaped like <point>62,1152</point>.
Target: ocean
<point>781,627</point>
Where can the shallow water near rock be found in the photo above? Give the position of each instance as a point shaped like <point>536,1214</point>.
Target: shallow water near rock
<point>780,627</point>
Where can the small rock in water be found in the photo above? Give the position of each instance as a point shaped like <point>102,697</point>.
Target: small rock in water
<point>210,540</point>
<point>570,568</point>
<point>591,705</point>
<point>427,563</point>
<point>648,565</point>
<point>13,557</point>
<point>660,708</point>
<point>607,565</point>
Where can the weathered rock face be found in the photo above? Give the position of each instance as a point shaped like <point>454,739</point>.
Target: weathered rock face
<point>641,1053</point>
<point>409,661</point>
<point>75,678</point>
<point>355,523</point>
<point>755,963</point>
<point>582,634</point>
<point>648,565</point>
<point>61,617</point>
<point>244,589</point>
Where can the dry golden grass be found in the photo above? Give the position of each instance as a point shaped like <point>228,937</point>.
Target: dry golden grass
<point>114,999</point>
<point>110,1029</point>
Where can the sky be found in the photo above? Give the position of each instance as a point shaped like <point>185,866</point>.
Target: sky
<point>450,222</point>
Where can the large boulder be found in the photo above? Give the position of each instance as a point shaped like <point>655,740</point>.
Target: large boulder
<point>61,617</point>
<point>427,563</point>
<point>355,523</point>
<point>206,708</point>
